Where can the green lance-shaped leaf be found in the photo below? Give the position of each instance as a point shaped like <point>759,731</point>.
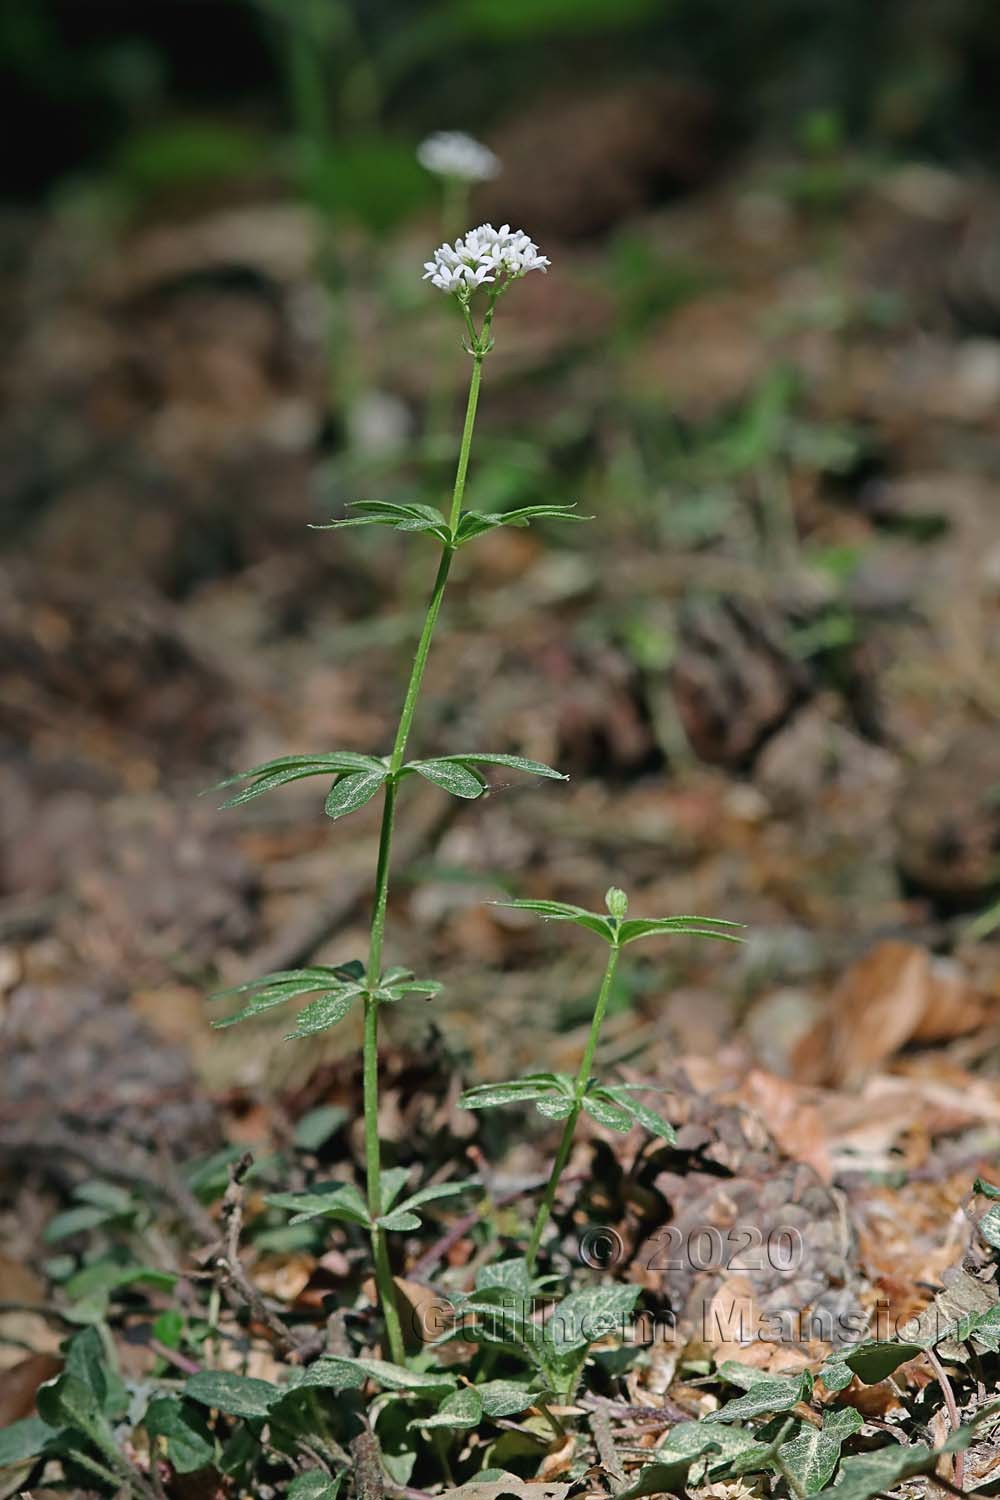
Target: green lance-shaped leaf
<point>475,523</point>
<point>518,1091</point>
<point>352,791</point>
<point>289,984</point>
<point>409,516</point>
<point>451,776</point>
<point>395,984</point>
<point>435,1191</point>
<point>457,774</point>
<point>600,1106</point>
<point>564,911</point>
<point>556,1107</point>
<point>333,1200</point>
<point>616,930</point>
<point>711,927</point>
<point>325,1011</point>
<point>394,1180</point>
<point>275,773</point>
<point>623,1095</point>
<point>401,1216</point>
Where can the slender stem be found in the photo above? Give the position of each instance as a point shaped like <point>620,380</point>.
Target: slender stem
<point>373,1158</point>
<point>580,1088</point>
<point>545,1207</point>
<point>463,452</point>
<point>583,1077</point>
<point>422,652</point>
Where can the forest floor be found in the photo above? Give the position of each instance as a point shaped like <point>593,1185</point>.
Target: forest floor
<point>768,665</point>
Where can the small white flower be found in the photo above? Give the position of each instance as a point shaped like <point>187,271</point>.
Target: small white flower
<point>483,255</point>
<point>452,153</point>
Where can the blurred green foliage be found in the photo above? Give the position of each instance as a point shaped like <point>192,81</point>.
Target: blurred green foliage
<point>912,73</point>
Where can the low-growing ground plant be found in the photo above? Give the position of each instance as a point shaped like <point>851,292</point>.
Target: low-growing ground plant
<point>485,1379</point>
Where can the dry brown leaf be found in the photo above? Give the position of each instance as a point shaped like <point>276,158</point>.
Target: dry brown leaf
<point>20,1385</point>
<point>897,993</point>
<point>793,1116</point>
<point>285,1279</point>
<point>876,1008</point>
<point>19,1284</point>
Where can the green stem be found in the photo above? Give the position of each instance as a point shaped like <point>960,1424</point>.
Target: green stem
<point>583,1077</point>
<point>420,660</point>
<point>580,1088</point>
<point>463,453</point>
<point>373,1157</point>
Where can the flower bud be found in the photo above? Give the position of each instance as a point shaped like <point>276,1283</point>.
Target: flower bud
<point>616,901</point>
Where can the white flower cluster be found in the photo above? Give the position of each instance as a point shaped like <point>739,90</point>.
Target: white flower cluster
<point>452,153</point>
<point>483,255</point>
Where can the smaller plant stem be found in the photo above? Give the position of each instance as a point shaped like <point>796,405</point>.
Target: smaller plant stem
<point>580,1088</point>
<point>373,1157</point>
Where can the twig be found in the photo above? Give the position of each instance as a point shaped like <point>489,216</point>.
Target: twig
<point>600,1426</point>
<point>229,1266</point>
<point>368,1479</point>
<point>954,1420</point>
<point>173,1357</point>
<point>667,1414</point>
<point>43,1309</point>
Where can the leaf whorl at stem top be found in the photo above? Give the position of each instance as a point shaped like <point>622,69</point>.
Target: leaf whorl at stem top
<point>619,932</point>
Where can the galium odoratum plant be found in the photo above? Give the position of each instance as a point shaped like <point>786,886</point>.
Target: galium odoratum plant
<point>561,1097</point>
<point>475,272</point>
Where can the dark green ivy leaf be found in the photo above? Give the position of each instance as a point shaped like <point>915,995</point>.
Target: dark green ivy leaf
<point>764,1397</point>
<point>458,1411</point>
<point>23,1440</point>
<point>871,1362</point>
<point>812,1455</point>
<point>314,1484</point>
<point>189,1443</point>
<point>235,1395</point>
